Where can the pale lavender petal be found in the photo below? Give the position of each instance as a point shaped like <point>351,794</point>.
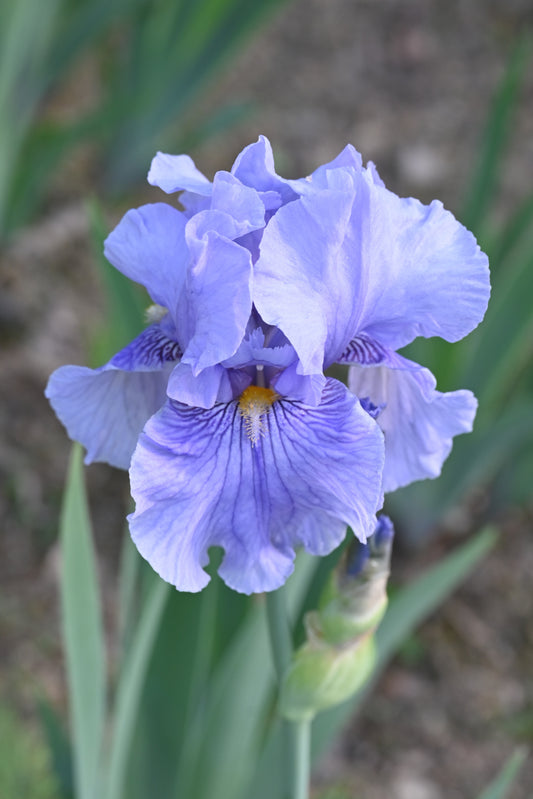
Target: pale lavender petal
<point>349,157</point>
<point>198,482</point>
<point>177,172</point>
<point>345,261</point>
<point>301,286</point>
<point>418,421</point>
<point>425,273</point>
<point>212,385</point>
<point>105,409</point>
<point>216,304</point>
<point>148,246</point>
<point>307,388</point>
<point>241,203</point>
<point>254,166</point>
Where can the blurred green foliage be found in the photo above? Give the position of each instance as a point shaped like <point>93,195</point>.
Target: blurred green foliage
<point>25,768</point>
<point>153,57</point>
<point>495,360</point>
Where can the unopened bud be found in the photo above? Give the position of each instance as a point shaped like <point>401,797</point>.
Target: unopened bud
<point>339,653</point>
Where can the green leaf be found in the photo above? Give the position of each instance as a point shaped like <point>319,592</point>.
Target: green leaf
<point>503,343</point>
<point>59,747</point>
<point>496,135</point>
<point>82,631</point>
<point>131,683</point>
<point>499,788</point>
<point>228,734</point>
<point>129,569</point>
<point>512,233</point>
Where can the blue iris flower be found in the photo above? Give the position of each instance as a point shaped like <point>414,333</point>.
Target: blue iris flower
<point>221,410</point>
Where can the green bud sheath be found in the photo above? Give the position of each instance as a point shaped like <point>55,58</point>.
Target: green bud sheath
<point>339,653</point>
<point>319,678</point>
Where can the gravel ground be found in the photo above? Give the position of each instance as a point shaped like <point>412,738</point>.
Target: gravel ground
<point>408,82</point>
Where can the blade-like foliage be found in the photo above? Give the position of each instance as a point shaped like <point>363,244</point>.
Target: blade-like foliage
<point>131,683</point>
<point>500,787</point>
<point>82,633</point>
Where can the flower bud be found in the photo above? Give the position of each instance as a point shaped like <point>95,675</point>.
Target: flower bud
<point>339,653</point>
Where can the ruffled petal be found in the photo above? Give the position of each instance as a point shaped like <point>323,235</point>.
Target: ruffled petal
<point>198,482</point>
<point>418,421</point>
<point>301,285</point>
<point>106,409</point>
<point>216,304</point>
<point>241,203</point>
<point>148,246</point>
<point>348,157</point>
<point>177,172</point>
<point>254,167</point>
<point>425,273</point>
<point>355,258</point>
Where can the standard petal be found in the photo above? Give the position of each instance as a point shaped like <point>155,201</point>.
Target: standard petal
<point>355,258</point>
<point>216,304</point>
<point>254,166</point>
<point>148,246</point>
<point>301,285</point>
<point>241,203</point>
<point>198,482</point>
<point>177,172</point>
<point>424,272</point>
<point>106,409</point>
<point>418,421</point>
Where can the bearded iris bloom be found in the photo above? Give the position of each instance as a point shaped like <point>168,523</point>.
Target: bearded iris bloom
<point>221,409</point>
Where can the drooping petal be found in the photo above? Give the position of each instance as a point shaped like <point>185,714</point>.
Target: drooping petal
<point>344,261</point>
<point>177,172</point>
<point>106,409</point>
<point>148,246</point>
<point>418,421</point>
<point>199,481</point>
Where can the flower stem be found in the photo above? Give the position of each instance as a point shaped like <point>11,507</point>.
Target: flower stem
<point>296,735</point>
<point>302,762</point>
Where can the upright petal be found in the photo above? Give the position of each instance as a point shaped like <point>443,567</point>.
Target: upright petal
<point>254,166</point>
<point>303,283</point>
<point>106,409</point>
<point>199,481</point>
<point>241,203</point>
<point>148,246</point>
<point>216,304</point>
<point>418,421</point>
<point>177,172</point>
<point>359,259</point>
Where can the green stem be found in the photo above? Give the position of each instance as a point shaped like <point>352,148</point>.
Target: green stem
<point>297,735</point>
<point>302,762</point>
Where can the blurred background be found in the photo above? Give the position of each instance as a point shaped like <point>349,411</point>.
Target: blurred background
<point>440,96</point>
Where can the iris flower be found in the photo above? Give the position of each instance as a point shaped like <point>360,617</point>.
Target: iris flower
<point>221,409</point>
